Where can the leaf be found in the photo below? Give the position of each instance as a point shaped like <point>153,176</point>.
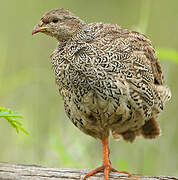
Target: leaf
<point>168,54</point>
<point>10,114</point>
<point>11,117</point>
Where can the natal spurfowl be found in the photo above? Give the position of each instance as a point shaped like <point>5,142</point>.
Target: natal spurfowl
<point>109,78</point>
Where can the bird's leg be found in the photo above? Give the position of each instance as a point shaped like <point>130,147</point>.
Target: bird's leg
<point>107,167</point>
<point>106,161</point>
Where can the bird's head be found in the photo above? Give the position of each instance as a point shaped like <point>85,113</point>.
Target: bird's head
<point>59,23</point>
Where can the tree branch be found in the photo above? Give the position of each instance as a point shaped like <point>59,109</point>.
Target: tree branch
<point>34,172</point>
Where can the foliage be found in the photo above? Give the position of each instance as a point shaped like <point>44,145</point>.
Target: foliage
<point>11,117</point>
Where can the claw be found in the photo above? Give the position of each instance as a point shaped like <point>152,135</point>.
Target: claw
<point>107,169</point>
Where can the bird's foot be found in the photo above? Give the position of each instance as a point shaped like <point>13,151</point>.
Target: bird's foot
<point>107,169</point>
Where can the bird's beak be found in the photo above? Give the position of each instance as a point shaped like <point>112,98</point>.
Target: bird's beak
<point>39,28</point>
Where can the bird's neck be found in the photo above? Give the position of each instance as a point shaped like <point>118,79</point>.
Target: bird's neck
<point>82,34</point>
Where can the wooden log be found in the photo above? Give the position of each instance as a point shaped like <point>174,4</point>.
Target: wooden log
<point>35,172</point>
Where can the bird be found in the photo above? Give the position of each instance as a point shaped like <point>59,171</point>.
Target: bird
<point>110,79</point>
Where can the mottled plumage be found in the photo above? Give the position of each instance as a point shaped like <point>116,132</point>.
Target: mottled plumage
<point>109,78</point>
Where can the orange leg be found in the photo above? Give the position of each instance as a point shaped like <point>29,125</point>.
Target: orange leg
<point>106,163</point>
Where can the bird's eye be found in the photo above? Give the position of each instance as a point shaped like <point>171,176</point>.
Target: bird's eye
<point>55,20</point>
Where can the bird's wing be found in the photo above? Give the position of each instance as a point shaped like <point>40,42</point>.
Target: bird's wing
<point>124,42</point>
<point>143,69</point>
<point>135,62</point>
<point>142,46</point>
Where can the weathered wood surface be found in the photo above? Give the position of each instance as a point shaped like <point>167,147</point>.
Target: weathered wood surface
<point>34,172</point>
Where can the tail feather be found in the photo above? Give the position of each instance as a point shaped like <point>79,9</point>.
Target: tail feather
<point>151,129</point>
<point>127,136</point>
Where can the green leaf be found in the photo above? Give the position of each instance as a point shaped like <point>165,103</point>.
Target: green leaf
<point>10,114</point>
<point>168,54</point>
<point>11,117</point>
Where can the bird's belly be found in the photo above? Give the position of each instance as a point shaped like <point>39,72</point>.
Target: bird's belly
<point>97,116</point>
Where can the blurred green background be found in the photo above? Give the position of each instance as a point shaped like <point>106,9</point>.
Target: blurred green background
<point>27,86</point>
